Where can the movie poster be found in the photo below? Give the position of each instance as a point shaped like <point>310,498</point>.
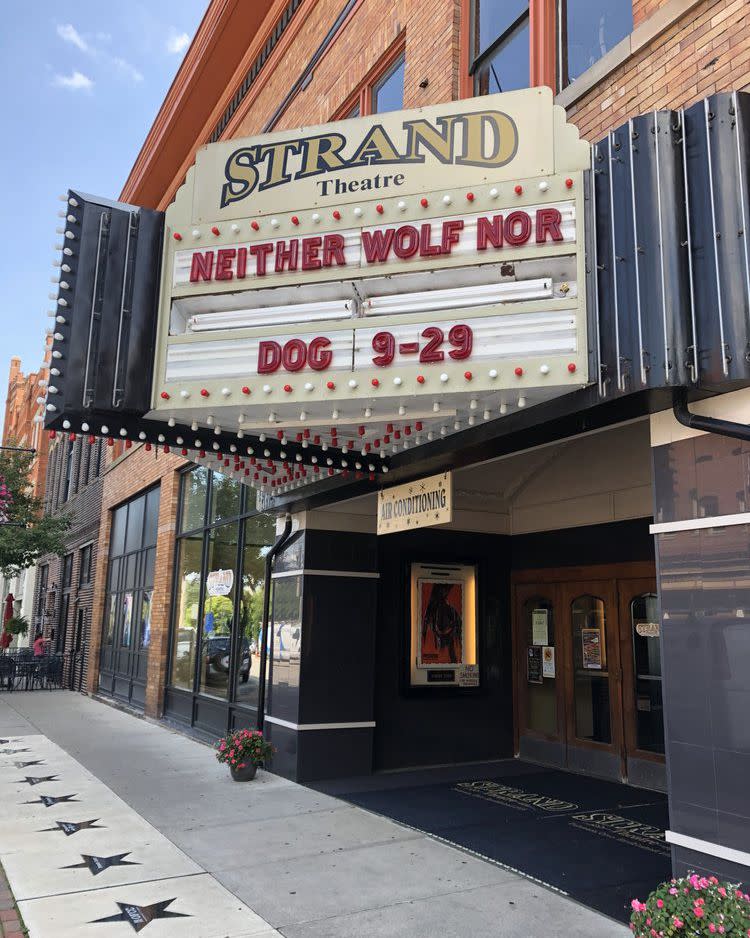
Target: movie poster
<point>441,623</point>
<point>591,639</point>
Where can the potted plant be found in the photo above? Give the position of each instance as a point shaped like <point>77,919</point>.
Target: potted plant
<point>692,906</point>
<point>243,751</point>
<point>17,625</point>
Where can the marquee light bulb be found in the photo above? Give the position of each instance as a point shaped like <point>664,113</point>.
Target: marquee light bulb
<point>61,320</point>
<point>274,223</point>
<point>315,217</point>
<point>503,408</point>
<point>358,212</point>
<point>235,228</point>
<point>66,425</point>
<point>447,199</point>
<point>68,252</point>
<point>105,429</point>
<point>54,371</point>
<point>266,388</point>
<point>85,427</point>
<point>521,401</point>
<point>444,377</point>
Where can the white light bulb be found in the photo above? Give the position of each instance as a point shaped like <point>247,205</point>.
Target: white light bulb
<point>141,435</point>
<point>447,200</point>
<point>543,185</point>
<point>105,429</point>
<point>493,372</point>
<point>85,427</point>
<point>170,422</point>
<point>398,382</point>
<point>544,369</point>
<point>235,227</point>
<point>444,377</point>
<point>196,232</point>
<point>123,431</point>
<point>308,386</point>
<point>266,388</point>
<point>274,223</point>
<point>401,410</point>
<point>473,404</point>
<point>494,192</point>
<point>352,383</point>
<point>486,415</point>
<point>358,212</point>
<point>66,425</point>
<point>521,401</point>
<point>54,371</point>
<point>503,408</point>
<point>315,217</point>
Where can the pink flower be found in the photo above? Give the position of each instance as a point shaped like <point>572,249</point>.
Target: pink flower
<point>673,891</point>
<point>678,923</point>
<point>722,891</point>
<point>711,927</point>
<point>659,903</point>
<point>698,912</point>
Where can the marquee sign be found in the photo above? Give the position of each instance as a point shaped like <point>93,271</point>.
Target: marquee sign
<point>363,287</point>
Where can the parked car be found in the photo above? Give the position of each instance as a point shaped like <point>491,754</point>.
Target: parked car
<point>218,650</point>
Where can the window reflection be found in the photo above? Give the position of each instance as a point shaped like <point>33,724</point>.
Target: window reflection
<point>259,535</point>
<point>508,67</point>
<point>218,610</point>
<point>127,619</point>
<point>225,497</point>
<point>188,574</point>
<point>284,646</point>
<point>589,31</point>
<point>194,489</point>
<point>592,719</point>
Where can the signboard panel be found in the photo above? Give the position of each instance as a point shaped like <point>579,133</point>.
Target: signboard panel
<point>498,137</point>
<point>414,505</point>
<point>375,284</point>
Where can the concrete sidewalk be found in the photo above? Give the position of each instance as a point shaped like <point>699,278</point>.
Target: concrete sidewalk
<point>308,864</point>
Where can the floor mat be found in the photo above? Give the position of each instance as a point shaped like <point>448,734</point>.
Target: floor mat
<point>600,842</point>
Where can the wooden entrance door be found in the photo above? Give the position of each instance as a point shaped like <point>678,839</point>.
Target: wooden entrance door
<point>587,670</point>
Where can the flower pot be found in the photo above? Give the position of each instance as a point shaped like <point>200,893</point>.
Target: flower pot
<point>245,774</point>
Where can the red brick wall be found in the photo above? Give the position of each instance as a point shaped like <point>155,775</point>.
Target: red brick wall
<point>431,33</point>
<point>706,51</point>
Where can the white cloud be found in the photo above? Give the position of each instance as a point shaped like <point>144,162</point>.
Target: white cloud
<point>68,33</point>
<point>130,71</point>
<point>177,42</point>
<point>76,81</point>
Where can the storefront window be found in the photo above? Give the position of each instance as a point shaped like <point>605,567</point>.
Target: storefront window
<point>185,628</point>
<point>592,720</point>
<point>285,644</point>
<point>219,594</point>
<point>218,610</point>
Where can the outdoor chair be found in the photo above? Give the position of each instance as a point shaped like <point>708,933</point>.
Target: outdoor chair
<point>7,672</point>
<point>26,673</point>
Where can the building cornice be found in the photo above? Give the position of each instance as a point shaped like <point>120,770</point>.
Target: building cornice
<point>206,75</point>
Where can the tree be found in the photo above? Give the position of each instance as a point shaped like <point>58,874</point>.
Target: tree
<point>26,534</point>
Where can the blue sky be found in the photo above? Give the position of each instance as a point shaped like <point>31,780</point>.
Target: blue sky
<point>81,84</point>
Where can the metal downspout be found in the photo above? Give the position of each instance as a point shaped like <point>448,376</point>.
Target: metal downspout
<point>739,431</point>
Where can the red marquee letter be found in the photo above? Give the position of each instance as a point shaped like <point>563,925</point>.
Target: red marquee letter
<point>269,357</point>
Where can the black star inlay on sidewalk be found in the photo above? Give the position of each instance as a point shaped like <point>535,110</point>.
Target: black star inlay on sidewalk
<point>72,827</point>
<point>4,742</point>
<point>38,780</point>
<point>141,915</point>
<point>49,800</point>
<point>12,752</point>
<point>97,865</point>
<point>25,765</point>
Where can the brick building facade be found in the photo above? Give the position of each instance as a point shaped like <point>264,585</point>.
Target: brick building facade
<point>279,64</point>
<point>20,427</point>
<point>64,591</point>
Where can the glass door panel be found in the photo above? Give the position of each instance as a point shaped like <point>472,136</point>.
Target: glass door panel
<point>541,689</point>
<point>591,677</point>
<point>649,712</point>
